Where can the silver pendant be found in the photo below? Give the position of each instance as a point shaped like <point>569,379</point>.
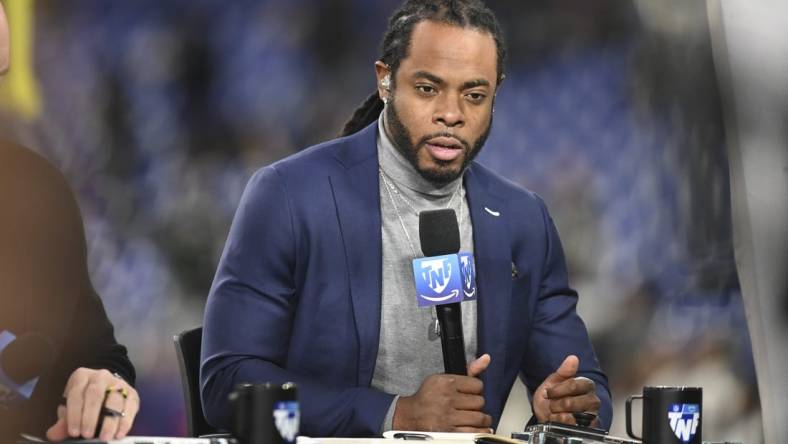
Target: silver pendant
<point>434,330</point>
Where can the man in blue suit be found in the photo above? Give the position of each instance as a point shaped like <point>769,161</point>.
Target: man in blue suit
<point>314,286</point>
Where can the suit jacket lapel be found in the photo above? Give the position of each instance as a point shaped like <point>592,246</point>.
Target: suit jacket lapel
<point>357,197</point>
<point>492,252</point>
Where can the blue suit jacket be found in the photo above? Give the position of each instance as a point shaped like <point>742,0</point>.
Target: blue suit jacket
<point>296,296</point>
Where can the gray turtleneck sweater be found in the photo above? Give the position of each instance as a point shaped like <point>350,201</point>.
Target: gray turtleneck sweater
<point>407,351</point>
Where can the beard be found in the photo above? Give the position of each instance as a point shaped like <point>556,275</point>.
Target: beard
<point>443,174</point>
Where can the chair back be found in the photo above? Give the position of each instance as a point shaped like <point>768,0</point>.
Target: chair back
<point>187,347</point>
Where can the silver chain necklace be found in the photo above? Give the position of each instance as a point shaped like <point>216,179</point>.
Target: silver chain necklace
<point>434,331</point>
<point>391,187</point>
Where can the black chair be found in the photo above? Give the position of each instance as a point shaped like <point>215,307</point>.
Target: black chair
<point>187,347</point>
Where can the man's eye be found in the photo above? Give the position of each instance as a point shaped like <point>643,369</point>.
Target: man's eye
<point>426,89</point>
<point>476,97</point>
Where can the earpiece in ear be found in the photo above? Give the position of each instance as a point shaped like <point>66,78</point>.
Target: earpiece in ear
<point>386,82</point>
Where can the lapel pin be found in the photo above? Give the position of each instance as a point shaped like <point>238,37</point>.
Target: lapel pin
<point>494,213</point>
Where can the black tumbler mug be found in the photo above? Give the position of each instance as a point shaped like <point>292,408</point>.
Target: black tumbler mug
<point>265,413</point>
<point>671,415</point>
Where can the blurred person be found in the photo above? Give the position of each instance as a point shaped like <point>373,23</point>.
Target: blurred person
<point>45,291</point>
<point>314,285</point>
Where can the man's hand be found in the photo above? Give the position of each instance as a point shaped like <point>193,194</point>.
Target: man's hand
<point>90,393</point>
<point>562,393</point>
<point>446,403</point>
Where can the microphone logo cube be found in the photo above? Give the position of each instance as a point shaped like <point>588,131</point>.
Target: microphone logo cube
<point>12,392</point>
<point>438,280</point>
<point>468,274</point>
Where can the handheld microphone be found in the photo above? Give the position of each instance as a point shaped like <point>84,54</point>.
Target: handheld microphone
<point>22,361</point>
<point>440,235</point>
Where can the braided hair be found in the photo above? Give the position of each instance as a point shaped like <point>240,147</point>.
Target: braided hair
<point>396,42</point>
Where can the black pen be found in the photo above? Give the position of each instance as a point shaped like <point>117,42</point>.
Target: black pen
<point>412,436</point>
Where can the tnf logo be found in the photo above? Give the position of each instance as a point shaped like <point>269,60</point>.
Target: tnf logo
<point>437,279</point>
<point>684,419</point>
<point>286,419</point>
<point>436,273</point>
<point>468,273</point>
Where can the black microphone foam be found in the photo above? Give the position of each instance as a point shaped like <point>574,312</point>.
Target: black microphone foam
<point>28,356</point>
<point>438,232</point>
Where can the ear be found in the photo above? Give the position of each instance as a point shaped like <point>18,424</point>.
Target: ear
<point>384,80</point>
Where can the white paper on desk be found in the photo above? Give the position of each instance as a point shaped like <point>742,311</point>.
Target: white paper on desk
<point>312,440</point>
<point>136,440</point>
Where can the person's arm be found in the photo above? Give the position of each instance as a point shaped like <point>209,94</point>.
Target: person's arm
<point>47,289</point>
<point>103,377</point>
<point>558,332</point>
<point>249,316</point>
<point>97,346</point>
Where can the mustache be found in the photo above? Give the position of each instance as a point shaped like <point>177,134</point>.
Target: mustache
<point>423,141</point>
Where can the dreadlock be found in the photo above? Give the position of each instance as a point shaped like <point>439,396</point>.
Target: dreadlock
<point>396,41</point>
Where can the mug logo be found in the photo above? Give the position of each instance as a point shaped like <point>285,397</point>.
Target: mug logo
<point>286,419</point>
<point>684,419</point>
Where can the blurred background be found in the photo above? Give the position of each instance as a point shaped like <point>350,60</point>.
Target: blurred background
<point>159,111</point>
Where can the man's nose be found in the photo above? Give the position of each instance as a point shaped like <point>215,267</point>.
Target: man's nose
<point>449,112</point>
